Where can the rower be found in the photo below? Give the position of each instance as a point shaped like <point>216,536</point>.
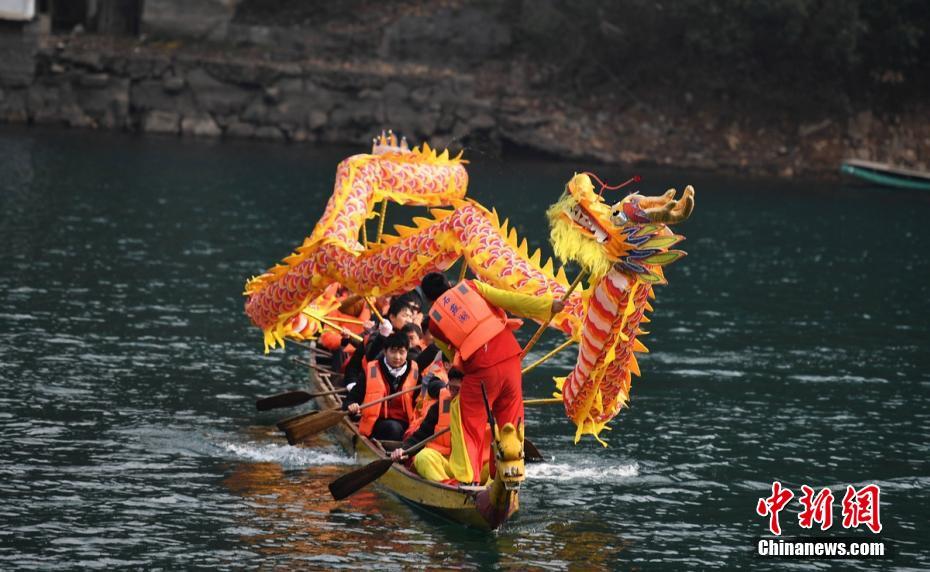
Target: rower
<point>390,373</point>
<point>469,318</point>
<point>398,316</point>
<point>432,463</point>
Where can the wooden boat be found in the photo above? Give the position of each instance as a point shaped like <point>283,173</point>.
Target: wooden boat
<point>887,175</point>
<point>482,507</point>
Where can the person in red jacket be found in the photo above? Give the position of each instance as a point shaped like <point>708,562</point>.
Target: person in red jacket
<point>469,318</point>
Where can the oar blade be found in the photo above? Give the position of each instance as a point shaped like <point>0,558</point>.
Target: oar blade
<point>531,454</point>
<point>288,399</point>
<point>303,426</point>
<point>350,483</point>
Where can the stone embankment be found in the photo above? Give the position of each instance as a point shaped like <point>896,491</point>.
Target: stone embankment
<point>206,91</point>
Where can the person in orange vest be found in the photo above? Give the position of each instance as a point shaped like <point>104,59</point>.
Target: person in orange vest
<point>398,316</point>
<point>432,462</point>
<point>469,318</point>
<point>390,373</point>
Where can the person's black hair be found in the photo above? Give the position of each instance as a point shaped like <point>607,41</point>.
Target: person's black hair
<point>411,327</point>
<point>414,300</point>
<point>397,340</point>
<point>397,304</point>
<point>456,373</point>
<point>434,285</point>
<point>433,385</point>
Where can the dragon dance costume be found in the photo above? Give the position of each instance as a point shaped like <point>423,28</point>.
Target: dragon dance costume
<point>469,317</point>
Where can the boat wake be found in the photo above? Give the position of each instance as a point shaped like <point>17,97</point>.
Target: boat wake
<point>284,455</point>
<point>587,472</point>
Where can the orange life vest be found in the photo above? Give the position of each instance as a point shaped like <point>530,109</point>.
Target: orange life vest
<point>376,388</point>
<point>443,443</point>
<point>466,319</point>
<point>424,401</point>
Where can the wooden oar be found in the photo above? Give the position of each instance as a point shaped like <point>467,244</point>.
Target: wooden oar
<point>313,349</point>
<point>530,453</point>
<point>298,428</point>
<point>542,327</point>
<point>350,483</point>
<point>314,367</point>
<point>291,398</point>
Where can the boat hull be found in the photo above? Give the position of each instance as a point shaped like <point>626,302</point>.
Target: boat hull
<point>887,175</point>
<point>476,507</point>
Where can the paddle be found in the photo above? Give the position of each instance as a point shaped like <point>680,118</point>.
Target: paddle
<point>319,353</point>
<point>530,453</point>
<point>350,483</point>
<point>302,426</point>
<point>314,367</point>
<point>291,398</point>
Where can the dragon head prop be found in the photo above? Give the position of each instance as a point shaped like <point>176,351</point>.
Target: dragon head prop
<point>632,233</point>
<point>624,247</point>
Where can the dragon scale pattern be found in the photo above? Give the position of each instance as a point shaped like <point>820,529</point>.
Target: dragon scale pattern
<point>604,318</point>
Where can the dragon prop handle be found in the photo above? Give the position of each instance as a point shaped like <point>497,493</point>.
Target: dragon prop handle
<point>624,246</point>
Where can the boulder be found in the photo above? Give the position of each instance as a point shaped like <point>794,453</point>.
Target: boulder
<point>200,125</point>
<point>216,96</point>
<point>161,122</point>
<point>150,94</point>
<point>316,119</point>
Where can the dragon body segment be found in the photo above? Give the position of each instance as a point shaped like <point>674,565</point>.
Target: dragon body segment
<point>623,247</point>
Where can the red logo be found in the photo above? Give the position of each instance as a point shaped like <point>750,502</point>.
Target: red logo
<point>773,505</point>
<point>816,509</point>
<point>859,507</point>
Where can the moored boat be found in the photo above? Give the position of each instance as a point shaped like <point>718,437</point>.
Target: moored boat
<point>483,507</point>
<point>886,174</point>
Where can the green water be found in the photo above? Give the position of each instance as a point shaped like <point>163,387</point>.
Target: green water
<point>790,344</point>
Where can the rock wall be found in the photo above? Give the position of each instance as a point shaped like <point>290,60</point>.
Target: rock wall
<point>199,95</point>
<point>213,90</point>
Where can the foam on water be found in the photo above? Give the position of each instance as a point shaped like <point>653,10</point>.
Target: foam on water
<point>284,455</point>
<point>585,472</point>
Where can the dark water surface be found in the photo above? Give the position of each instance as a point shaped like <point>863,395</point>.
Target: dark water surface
<point>791,344</point>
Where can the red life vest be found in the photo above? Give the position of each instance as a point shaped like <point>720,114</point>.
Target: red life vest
<point>466,319</point>
<point>376,388</point>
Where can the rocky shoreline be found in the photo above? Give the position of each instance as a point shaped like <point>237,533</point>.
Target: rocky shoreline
<point>209,90</point>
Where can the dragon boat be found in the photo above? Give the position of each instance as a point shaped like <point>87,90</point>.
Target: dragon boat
<point>482,507</point>
<point>622,248</point>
